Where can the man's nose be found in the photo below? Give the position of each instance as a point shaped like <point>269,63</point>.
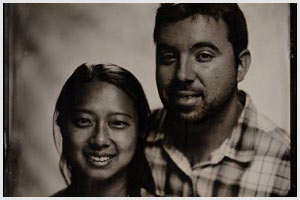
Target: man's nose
<point>185,70</point>
<point>100,137</point>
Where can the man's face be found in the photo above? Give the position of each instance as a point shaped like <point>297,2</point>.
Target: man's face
<point>195,68</point>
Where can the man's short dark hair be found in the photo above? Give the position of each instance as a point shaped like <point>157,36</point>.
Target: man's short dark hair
<point>229,12</point>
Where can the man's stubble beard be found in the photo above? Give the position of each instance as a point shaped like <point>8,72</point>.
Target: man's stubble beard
<point>206,111</point>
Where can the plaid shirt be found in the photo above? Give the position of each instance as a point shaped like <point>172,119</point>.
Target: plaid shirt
<point>253,161</point>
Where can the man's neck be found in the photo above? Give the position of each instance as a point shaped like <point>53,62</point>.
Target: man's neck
<point>198,141</point>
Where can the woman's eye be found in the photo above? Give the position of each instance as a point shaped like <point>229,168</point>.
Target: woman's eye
<point>119,124</point>
<point>204,57</point>
<point>82,122</point>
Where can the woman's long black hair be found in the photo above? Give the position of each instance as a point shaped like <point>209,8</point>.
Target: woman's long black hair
<point>127,82</point>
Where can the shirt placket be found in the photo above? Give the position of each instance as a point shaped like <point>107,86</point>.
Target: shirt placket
<point>183,164</point>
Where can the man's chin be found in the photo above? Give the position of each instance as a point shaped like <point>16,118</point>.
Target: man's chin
<point>186,117</point>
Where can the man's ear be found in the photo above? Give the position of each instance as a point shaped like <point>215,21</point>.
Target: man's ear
<point>243,65</point>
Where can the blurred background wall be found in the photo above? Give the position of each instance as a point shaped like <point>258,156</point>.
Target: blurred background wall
<point>46,42</point>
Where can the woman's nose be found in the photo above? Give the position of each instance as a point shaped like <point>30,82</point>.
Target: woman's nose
<point>100,137</point>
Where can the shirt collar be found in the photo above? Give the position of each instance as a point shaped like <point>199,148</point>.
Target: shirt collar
<point>240,145</point>
<point>157,134</point>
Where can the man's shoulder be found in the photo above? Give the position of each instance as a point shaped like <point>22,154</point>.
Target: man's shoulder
<point>271,154</point>
<point>260,129</point>
<point>270,131</point>
<point>269,140</point>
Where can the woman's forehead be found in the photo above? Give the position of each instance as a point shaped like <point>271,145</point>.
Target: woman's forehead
<point>102,95</point>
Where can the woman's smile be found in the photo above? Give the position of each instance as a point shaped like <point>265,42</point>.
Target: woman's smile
<point>99,159</point>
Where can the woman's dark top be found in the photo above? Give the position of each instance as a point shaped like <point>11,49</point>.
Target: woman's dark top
<point>139,176</point>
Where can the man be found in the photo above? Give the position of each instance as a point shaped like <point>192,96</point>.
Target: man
<point>209,140</point>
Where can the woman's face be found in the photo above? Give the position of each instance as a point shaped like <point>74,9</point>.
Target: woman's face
<point>101,131</point>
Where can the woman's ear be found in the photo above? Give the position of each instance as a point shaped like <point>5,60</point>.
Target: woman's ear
<point>243,65</point>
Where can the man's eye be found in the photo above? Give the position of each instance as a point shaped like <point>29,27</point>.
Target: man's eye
<point>119,124</point>
<point>82,122</point>
<point>167,58</point>
<point>204,57</point>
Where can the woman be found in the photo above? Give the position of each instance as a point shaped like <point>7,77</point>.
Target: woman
<point>101,115</point>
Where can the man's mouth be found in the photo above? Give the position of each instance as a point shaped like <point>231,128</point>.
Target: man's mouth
<point>100,160</point>
<point>186,98</point>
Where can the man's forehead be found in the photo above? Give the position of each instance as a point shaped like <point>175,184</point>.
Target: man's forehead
<point>194,19</point>
<point>193,28</point>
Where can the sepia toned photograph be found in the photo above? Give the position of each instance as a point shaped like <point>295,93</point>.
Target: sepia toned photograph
<point>149,100</point>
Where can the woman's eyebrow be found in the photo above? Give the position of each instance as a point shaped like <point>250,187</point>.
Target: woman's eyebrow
<point>82,110</point>
<point>122,113</point>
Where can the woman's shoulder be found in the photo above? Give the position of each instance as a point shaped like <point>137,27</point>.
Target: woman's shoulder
<point>66,192</point>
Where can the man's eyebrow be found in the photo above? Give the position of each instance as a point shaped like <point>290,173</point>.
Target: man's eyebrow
<point>204,44</point>
<point>164,46</point>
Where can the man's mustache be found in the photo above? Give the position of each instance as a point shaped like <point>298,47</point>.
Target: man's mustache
<point>180,86</point>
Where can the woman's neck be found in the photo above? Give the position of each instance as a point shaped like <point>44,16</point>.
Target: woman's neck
<point>115,186</point>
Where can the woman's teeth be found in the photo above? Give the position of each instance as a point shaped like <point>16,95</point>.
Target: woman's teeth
<point>99,160</point>
<point>189,97</point>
